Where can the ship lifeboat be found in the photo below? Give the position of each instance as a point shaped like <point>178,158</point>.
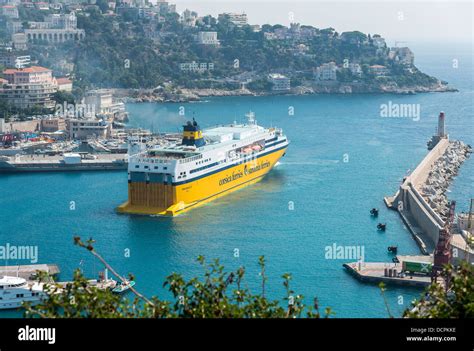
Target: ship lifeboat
<point>256,147</point>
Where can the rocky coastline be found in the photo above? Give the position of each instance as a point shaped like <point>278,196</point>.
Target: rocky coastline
<point>189,95</point>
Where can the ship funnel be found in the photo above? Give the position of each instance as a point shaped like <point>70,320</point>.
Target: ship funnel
<point>192,134</point>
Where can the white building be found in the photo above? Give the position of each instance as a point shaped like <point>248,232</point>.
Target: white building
<point>14,27</point>
<point>279,81</point>
<point>10,11</point>
<point>378,70</point>
<point>64,84</point>
<point>56,28</point>
<point>402,55</point>
<point>326,72</point>
<point>355,69</point>
<point>19,41</point>
<point>146,12</point>
<point>239,19</point>
<point>165,8</point>
<point>378,41</point>
<point>102,103</point>
<point>207,38</point>
<point>196,67</point>
<point>269,36</point>
<point>62,21</point>
<point>256,27</point>
<point>86,128</point>
<point>188,18</point>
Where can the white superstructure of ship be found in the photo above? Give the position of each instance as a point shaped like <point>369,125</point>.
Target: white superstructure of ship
<point>14,291</point>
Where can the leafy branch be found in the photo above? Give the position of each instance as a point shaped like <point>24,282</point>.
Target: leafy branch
<point>217,294</point>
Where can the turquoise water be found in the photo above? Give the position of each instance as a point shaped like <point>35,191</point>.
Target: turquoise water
<point>331,198</point>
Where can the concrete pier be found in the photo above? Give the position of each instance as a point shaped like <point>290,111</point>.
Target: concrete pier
<point>28,272</point>
<point>374,272</point>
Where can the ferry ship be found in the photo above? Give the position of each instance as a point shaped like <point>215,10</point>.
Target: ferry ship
<point>171,179</point>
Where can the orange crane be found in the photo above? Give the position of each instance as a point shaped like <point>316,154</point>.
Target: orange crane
<point>442,254</point>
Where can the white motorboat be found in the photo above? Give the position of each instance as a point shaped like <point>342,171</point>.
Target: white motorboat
<point>15,290</point>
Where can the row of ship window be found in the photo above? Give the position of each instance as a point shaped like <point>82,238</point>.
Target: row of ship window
<point>194,158</point>
<point>23,295</point>
<point>203,167</point>
<point>147,167</point>
<point>151,160</point>
<point>203,161</point>
<point>212,164</point>
<point>183,174</point>
<point>13,285</point>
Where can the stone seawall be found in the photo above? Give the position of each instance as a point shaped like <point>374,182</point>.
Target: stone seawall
<point>421,199</point>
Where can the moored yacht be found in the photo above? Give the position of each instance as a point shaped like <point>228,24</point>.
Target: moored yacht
<point>15,290</point>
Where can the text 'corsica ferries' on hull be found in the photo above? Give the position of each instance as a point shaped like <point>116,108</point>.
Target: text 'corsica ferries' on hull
<point>169,180</point>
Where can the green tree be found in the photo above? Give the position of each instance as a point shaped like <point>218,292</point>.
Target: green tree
<point>457,301</point>
<point>103,5</point>
<point>61,96</point>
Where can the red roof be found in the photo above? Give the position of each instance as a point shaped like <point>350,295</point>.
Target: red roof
<point>62,81</point>
<point>31,69</point>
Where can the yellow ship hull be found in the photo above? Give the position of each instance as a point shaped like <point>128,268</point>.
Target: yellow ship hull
<point>172,200</point>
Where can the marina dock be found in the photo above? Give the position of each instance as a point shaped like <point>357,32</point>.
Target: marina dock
<point>28,272</point>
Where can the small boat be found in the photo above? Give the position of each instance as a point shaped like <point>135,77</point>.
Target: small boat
<point>123,286</point>
<point>374,212</point>
<point>392,249</point>
<point>381,227</point>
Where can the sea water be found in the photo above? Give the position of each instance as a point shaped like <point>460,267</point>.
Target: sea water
<point>344,157</point>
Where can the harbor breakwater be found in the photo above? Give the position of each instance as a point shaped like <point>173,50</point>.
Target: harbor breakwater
<point>439,177</point>
<point>421,199</point>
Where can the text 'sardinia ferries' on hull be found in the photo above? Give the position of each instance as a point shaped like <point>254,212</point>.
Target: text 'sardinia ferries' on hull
<point>169,180</point>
